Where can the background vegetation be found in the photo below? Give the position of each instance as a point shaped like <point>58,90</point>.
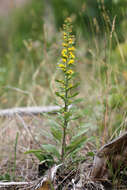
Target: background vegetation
<point>30,50</point>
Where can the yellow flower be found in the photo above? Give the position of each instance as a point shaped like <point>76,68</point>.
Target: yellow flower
<point>72,56</point>
<point>70,85</point>
<point>70,72</point>
<point>64,53</point>
<point>64,44</point>
<point>65,34</point>
<point>71,48</point>
<point>64,60</point>
<point>65,56</point>
<point>65,38</point>
<point>62,66</point>
<point>70,41</point>
<point>71,61</point>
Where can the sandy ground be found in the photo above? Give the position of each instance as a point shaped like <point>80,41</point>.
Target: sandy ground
<point>7,5</point>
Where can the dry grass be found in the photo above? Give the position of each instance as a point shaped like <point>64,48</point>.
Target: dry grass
<point>31,136</point>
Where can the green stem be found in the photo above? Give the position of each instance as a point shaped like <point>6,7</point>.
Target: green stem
<point>65,124</point>
<point>65,120</point>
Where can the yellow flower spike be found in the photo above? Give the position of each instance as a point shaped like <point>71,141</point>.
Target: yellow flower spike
<point>70,72</point>
<point>71,61</point>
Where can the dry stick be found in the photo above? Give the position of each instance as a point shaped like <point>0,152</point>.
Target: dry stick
<point>28,111</point>
<point>8,184</point>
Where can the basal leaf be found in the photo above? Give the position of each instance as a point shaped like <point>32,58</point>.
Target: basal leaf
<point>40,155</point>
<point>51,149</point>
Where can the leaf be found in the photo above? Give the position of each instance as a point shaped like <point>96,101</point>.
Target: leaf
<point>77,101</point>
<point>57,133</point>
<point>60,95</point>
<point>67,115</point>
<point>76,144</point>
<point>81,132</point>
<point>51,149</point>
<point>89,126</point>
<point>55,124</point>
<point>74,86</point>
<point>59,81</point>
<point>73,95</point>
<point>46,134</point>
<point>32,151</point>
<point>76,117</point>
<point>40,154</point>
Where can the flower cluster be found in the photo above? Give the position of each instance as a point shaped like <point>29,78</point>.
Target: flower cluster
<point>67,86</point>
<point>68,56</point>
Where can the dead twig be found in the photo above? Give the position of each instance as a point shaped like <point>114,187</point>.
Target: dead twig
<point>36,110</point>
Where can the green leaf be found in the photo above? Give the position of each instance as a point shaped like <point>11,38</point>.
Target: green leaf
<point>60,95</point>
<point>74,86</point>
<point>40,154</point>
<point>76,144</point>
<point>77,101</point>
<point>59,81</point>
<point>51,149</point>
<point>67,115</point>
<point>32,151</point>
<point>57,133</point>
<point>81,132</point>
<point>76,117</point>
<point>55,124</point>
<point>46,134</point>
<point>73,95</point>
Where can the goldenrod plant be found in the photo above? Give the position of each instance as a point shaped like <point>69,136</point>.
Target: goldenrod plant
<point>67,91</point>
<point>66,84</point>
<point>67,62</point>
